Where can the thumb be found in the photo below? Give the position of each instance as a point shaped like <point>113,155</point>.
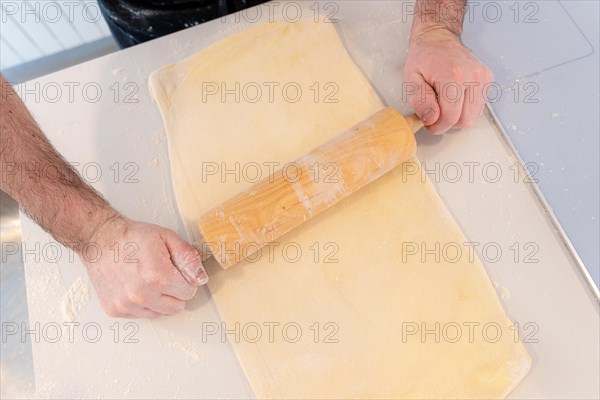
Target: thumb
<point>424,100</point>
<point>186,259</point>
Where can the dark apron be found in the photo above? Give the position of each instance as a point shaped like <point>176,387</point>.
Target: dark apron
<point>136,21</point>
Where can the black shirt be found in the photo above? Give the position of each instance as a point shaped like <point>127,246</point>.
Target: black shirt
<point>136,21</point>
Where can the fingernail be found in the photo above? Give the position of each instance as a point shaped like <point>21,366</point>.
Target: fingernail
<point>426,113</point>
<point>201,276</point>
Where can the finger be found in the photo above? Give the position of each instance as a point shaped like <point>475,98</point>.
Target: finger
<point>471,109</point>
<point>129,309</point>
<point>450,99</point>
<point>178,287</point>
<point>167,305</point>
<point>112,312</point>
<point>172,281</point>
<point>423,99</point>
<point>124,316</point>
<point>143,312</point>
<point>474,97</point>
<point>186,258</point>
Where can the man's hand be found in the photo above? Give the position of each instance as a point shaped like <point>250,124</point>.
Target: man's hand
<point>446,83</point>
<point>141,270</point>
<point>137,269</point>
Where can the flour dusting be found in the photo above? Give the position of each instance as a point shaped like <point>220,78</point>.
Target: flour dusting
<point>76,298</point>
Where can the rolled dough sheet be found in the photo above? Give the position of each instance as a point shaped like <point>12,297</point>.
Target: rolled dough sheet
<point>331,310</point>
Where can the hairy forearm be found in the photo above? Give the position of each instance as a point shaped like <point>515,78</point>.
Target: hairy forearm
<point>436,15</point>
<point>46,187</point>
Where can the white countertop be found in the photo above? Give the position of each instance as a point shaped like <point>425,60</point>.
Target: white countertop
<point>547,64</point>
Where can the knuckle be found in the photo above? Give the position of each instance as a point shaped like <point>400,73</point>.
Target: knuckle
<point>488,75</point>
<point>111,311</point>
<point>456,73</point>
<point>138,297</point>
<point>162,280</point>
<point>120,306</point>
<point>150,278</point>
<point>114,309</point>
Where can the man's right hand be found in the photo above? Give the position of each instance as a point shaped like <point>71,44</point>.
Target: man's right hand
<point>141,270</point>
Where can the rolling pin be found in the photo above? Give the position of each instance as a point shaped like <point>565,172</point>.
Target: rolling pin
<point>239,227</point>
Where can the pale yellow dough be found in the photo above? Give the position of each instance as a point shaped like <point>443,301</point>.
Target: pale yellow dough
<point>370,295</point>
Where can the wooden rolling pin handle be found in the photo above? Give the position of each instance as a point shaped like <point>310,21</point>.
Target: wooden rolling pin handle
<point>238,228</point>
